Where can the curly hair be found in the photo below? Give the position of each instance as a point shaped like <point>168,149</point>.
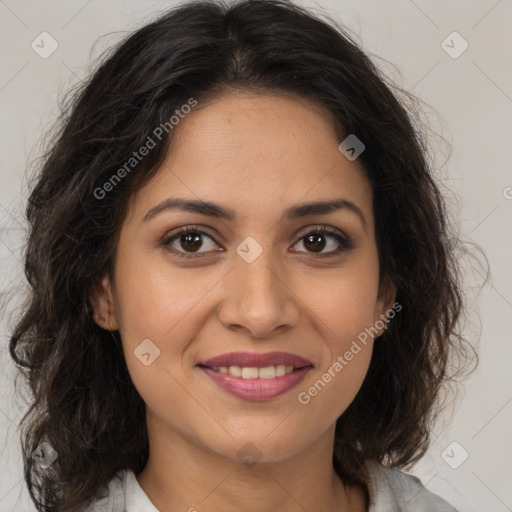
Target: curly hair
<point>78,380</point>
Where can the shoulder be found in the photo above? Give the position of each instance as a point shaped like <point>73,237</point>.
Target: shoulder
<point>392,490</point>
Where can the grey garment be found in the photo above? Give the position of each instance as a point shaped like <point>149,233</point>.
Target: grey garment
<point>390,490</point>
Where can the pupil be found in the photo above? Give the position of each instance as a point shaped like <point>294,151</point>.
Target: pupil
<point>317,240</point>
<point>193,240</point>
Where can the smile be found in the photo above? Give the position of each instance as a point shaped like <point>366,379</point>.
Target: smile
<point>256,376</point>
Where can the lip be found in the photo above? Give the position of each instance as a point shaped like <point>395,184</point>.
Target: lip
<point>256,389</point>
<point>253,360</point>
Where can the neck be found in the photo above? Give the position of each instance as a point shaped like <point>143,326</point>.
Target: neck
<point>181,475</point>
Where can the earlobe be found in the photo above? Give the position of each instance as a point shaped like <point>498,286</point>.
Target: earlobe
<point>102,302</point>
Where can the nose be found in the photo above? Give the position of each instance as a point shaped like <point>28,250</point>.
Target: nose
<point>257,299</point>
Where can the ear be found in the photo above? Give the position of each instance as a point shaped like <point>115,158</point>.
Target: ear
<point>385,303</point>
<point>102,302</point>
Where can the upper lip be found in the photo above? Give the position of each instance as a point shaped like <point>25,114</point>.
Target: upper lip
<point>252,360</point>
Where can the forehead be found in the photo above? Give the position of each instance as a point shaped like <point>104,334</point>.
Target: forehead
<point>257,153</point>
<point>258,126</point>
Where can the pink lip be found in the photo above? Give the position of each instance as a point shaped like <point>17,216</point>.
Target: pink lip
<point>252,360</point>
<point>256,389</point>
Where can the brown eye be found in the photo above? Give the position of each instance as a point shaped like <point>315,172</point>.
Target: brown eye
<point>325,238</point>
<point>188,241</point>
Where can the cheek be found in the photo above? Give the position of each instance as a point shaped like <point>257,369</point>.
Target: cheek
<point>337,381</point>
<point>166,306</point>
<point>343,311</point>
<point>152,306</point>
<point>343,303</point>
<point>155,300</point>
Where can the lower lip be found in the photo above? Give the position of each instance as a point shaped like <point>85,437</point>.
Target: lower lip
<point>256,389</point>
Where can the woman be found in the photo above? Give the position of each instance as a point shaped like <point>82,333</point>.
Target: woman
<point>244,295</point>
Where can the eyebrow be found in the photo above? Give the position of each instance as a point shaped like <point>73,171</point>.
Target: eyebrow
<point>215,210</point>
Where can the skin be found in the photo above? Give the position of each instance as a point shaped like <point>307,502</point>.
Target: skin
<point>257,154</point>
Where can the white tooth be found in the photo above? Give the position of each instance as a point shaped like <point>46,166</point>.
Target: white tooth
<point>267,372</point>
<point>280,370</point>
<point>249,373</point>
<point>223,369</point>
<point>289,369</point>
<point>236,371</point>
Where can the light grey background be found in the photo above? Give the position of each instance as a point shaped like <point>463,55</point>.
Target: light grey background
<point>472,93</point>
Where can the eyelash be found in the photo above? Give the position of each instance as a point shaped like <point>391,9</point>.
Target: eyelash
<point>343,241</point>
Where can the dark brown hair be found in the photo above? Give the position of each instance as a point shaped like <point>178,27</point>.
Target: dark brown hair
<point>83,401</point>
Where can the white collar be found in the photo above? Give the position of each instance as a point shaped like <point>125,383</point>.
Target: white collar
<point>136,499</point>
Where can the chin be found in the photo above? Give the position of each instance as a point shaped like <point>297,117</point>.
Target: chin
<point>257,446</point>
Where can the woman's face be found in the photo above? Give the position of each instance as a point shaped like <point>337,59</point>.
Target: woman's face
<point>259,281</point>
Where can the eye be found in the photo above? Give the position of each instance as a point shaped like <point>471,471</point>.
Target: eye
<point>187,241</point>
<point>325,237</point>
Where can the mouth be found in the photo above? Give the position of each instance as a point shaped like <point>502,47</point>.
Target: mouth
<point>256,376</point>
